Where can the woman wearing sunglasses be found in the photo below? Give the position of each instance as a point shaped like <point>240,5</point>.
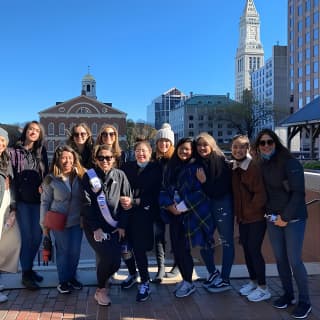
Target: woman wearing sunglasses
<point>109,136</point>
<point>81,141</point>
<point>104,218</point>
<point>286,215</point>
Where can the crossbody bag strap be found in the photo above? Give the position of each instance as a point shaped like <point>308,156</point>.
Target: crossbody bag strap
<point>96,188</point>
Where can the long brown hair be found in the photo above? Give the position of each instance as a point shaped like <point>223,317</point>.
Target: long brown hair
<point>55,167</point>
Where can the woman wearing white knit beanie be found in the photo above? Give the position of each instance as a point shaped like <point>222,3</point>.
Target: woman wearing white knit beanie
<point>164,150</point>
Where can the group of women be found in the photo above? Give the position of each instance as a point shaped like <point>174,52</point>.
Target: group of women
<point>124,206</point>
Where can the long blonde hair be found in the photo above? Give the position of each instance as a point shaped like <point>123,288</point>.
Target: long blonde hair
<point>116,150</point>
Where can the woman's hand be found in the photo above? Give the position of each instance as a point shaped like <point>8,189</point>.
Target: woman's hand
<point>98,235</point>
<point>172,208</point>
<point>10,221</point>
<point>279,222</point>
<point>201,176</point>
<point>121,233</point>
<point>125,202</point>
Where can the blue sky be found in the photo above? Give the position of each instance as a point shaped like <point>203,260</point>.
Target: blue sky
<point>137,49</point>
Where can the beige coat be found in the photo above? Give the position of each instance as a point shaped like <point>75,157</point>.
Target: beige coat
<point>10,241</point>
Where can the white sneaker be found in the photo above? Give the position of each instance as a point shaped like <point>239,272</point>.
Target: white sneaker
<point>185,289</point>
<point>3,297</point>
<point>247,288</point>
<point>259,294</point>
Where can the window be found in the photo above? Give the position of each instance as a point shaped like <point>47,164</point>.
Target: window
<point>307,37</point>
<point>88,87</point>
<point>220,125</point>
<point>191,118</point>
<point>308,5</point>
<point>316,18</point>
<point>300,26</point>
<point>300,41</point>
<point>315,33</point>
<point>307,22</point>
<point>316,67</point>
<point>190,125</point>
<point>300,10</point>
<point>50,146</point>
<point>300,86</point>
<point>315,50</point>
<point>61,129</point>
<point>300,103</point>
<point>94,129</point>
<point>307,53</point>
<point>300,56</point>
<point>307,85</point>
<point>51,129</point>
<point>200,118</point>
<point>300,72</point>
<point>307,68</point>
<point>220,133</point>
<point>315,83</point>
<point>191,134</point>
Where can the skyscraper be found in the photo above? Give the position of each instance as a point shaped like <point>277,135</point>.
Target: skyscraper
<point>250,54</point>
<point>303,47</point>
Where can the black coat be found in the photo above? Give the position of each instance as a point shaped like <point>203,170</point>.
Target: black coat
<point>145,184</point>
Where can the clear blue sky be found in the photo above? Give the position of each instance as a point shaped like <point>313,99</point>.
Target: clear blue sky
<point>137,49</point>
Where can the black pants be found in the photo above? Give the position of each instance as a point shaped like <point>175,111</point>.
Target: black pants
<point>139,259</point>
<point>180,249</point>
<point>108,256</point>
<point>251,237</point>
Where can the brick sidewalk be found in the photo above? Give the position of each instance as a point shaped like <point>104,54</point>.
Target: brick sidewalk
<point>47,304</point>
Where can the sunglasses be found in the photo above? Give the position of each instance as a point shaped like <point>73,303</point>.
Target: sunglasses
<point>269,142</point>
<point>82,134</point>
<point>105,134</point>
<point>102,158</point>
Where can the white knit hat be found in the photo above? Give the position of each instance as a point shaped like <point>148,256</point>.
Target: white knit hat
<point>165,133</point>
<point>4,134</point>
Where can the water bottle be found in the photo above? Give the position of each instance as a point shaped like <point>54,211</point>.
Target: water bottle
<point>176,197</point>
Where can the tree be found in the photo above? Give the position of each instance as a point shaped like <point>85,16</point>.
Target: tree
<point>245,116</point>
<point>139,129</point>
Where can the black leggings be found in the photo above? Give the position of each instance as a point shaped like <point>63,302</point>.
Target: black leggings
<point>108,256</point>
<point>251,237</point>
<point>180,249</point>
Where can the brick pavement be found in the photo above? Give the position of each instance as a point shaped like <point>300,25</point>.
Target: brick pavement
<point>47,304</point>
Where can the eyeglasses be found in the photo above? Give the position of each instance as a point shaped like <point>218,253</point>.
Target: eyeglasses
<point>78,134</point>
<point>105,134</point>
<point>102,158</point>
<point>269,142</point>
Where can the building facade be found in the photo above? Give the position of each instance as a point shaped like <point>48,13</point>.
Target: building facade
<point>203,113</point>
<point>250,54</point>
<point>304,55</point>
<point>59,119</point>
<point>159,109</point>
<point>270,90</point>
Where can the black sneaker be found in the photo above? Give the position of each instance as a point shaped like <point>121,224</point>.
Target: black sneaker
<point>129,281</point>
<point>64,288</point>
<point>211,279</point>
<point>219,285</point>
<point>29,283</point>
<point>144,292</point>
<point>75,284</point>
<point>301,311</point>
<point>283,302</point>
<point>36,276</point>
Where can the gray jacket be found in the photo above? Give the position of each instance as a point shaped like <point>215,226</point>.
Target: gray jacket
<point>56,196</point>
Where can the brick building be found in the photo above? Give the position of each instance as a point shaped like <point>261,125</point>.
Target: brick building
<point>58,120</point>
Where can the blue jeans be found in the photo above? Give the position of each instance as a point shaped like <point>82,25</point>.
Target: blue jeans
<point>223,221</point>
<point>287,245</point>
<point>28,216</point>
<point>68,244</point>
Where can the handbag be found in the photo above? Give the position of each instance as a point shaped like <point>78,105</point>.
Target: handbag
<point>55,220</point>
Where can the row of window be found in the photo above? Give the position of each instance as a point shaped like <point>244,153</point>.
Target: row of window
<point>306,7</point>
<point>64,131</point>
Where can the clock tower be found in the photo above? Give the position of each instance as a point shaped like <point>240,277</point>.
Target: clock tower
<point>250,54</point>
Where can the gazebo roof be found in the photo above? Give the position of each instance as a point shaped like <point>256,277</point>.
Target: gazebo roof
<point>310,113</point>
